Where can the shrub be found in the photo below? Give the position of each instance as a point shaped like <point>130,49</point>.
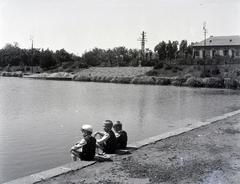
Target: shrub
<point>149,63</point>
<point>167,67</point>
<point>230,83</point>
<point>6,74</point>
<point>82,65</point>
<point>14,74</point>
<point>152,73</point>
<point>158,66</point>
<point>134,62</point>
<point>198,61</point>
<point>213,82</point>
<point>180,69</point>
<point>124,80</point>
<point>214,70</point>
<point>65,65</point>
<point>163,81</point>
<point>143,80</point>
<point>105,79</point>
<point>205,74</point>
<point>81,78</point>
<point>99,78</point>
<point>20,75</point>
<point>187,76</point>
<point>194,82</point>
<point>238,84</point>
<point>155,60</point>
<point>237,72</point>
<point>175,69</point>
<point>176,83</point>
<point>60,69</point>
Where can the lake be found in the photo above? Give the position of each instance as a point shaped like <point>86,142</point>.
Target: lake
<point>40,120</point>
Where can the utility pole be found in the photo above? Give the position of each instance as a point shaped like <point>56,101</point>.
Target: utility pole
<point>31,38</point>
<point>143,39</point>
<point>204,54</point>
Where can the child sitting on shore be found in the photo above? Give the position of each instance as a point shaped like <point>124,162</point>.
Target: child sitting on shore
<point>87,144</point>
<point>121,135</point>
<point>107,142</point>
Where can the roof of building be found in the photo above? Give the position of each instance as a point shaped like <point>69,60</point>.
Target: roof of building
<point>220,41</point>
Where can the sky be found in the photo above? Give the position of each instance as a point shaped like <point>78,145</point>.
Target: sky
<point>81,25</point>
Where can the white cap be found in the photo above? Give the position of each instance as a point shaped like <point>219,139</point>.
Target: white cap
<point>87,128</point>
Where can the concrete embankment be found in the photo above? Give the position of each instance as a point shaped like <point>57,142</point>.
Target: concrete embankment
<point>74,166</point>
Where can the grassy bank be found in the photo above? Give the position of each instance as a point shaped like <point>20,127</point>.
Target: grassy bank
<point>221,76</point>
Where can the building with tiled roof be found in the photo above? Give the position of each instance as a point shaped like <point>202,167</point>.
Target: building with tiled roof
<point>218,45</point>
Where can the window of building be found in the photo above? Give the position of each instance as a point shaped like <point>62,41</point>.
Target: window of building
<point>213,53</point>
<point>196,53</point>
<point>208,53</point>
<point>237,52</point>
<point>216,53</point>
<point>233,53</point>
<point>225,52</point>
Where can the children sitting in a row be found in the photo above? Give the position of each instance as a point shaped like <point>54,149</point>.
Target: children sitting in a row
<point>108,142</point>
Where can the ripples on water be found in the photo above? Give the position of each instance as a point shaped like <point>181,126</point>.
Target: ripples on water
<point>40,119</point>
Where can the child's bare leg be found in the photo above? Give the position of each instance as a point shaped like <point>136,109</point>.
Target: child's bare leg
<point>74,155</point>
<point>74,158</point>
<point>99,147</point>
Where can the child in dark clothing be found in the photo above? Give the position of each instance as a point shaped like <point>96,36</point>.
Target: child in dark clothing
<point>107,142</point>
<point>87,144</point>
<point>121,135</point>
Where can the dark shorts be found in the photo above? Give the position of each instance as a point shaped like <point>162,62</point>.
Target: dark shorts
<point>121,145</point>
<point>84,156</point>
<point>109,150</point>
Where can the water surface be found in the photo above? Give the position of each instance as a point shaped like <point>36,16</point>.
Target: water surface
<point>40,119</point>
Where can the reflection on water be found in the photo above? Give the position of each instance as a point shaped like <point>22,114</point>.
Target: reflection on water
<point>40,120</point>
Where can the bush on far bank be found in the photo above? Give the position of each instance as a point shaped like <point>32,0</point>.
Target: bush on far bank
<point>158,66</point>
<point>124,80</point>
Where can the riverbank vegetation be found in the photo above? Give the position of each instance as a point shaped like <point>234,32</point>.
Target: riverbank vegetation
<point>168,64</point>
<point>24,59</point>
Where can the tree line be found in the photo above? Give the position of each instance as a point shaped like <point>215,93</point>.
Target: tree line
<point>13,55</point>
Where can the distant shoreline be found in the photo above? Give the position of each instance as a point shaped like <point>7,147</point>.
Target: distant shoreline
<point>131,75</point>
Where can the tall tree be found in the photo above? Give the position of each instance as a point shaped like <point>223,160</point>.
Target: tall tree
<point>161,50</point>
<point>183,46</point>
<point>121,55</point>
<point>93,57</point>
<point>46,59</point>
<point>169,50</point>
<point>110,57</point>
<point>175,48</point>
<point>12,54</point>
<point>62,56</point>
<point>189,50</point>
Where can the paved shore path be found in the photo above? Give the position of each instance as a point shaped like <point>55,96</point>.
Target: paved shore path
<point>206,152</point>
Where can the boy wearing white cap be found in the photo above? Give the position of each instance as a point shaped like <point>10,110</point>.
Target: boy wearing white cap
<point>87,144</point>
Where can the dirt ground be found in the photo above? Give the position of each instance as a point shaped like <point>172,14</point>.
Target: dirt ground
<point>207,155</point>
